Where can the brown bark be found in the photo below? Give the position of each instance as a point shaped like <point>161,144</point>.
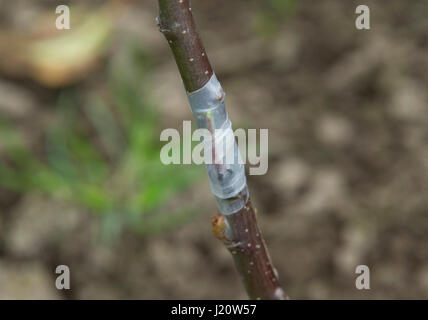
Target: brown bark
<point>241,235</point>
<point>178,26</point>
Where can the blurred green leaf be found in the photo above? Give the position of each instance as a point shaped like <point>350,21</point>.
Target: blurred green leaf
<point>102,153</point>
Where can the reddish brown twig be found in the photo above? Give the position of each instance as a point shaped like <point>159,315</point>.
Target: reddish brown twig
<point>238,231</point>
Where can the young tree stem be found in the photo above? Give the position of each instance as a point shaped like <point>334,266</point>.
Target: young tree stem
<point>238,231</point>
<point>178,26</point>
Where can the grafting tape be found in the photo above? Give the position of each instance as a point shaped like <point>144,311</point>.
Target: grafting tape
<point>227,172</point>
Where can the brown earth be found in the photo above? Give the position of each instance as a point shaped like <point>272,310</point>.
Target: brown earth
<point>348,167</point>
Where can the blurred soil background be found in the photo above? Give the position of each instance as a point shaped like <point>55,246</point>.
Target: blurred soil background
<point>348,149</point>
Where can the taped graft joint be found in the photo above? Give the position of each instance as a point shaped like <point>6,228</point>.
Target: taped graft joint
<point>227,172</point>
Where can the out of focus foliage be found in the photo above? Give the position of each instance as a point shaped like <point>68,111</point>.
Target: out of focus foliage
<point>58,58</point>
<point>102,153</point>
<point>272,13</point>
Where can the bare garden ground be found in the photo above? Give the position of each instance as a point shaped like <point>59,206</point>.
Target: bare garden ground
<point>348,161</point>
